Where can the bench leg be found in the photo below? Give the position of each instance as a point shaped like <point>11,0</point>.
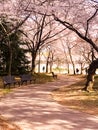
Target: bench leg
<point>23,82</point>
<point>19,83</point>
<point>14,85</point>
<point>6,85</point>
<point>9,85</point>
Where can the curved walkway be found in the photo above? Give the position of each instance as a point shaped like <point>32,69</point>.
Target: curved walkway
<point>32,108</point>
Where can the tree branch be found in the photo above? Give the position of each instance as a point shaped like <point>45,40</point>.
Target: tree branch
<point>89,21</point>
<point>70,27</point>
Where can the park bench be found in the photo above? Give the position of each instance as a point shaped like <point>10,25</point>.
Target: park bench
<point>54,75</point>
<point>25,78</point>
<point>10,80</point>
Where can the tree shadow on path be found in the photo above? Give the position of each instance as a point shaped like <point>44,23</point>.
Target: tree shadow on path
<point>33,108</point>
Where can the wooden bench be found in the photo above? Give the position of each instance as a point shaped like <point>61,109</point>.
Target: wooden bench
<point>25,78</point>
<point>54,75</point>
<point>10,80</point>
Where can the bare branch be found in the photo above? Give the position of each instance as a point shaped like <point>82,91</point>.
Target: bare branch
<point>88,21</point>
<point>20,24</point>
<point>70,27</point>
<point>95,1</point>
<point>29,45</point>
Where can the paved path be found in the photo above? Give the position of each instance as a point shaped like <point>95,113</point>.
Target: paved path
<point>33,108</point>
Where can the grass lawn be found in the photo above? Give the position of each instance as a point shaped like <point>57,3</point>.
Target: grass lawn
<point>72,96</point>
<point>42,78</point>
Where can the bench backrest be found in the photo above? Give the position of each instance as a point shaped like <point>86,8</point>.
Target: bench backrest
<point>8,79</point>
<point>26,77</point>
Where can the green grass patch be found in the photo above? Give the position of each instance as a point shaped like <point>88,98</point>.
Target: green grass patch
<point>4,91</point>
<point>41,78</point>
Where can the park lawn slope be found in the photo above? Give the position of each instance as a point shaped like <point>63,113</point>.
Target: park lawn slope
<point>72,96</point>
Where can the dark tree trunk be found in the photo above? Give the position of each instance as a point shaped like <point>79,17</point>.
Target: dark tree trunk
<point>89,83</point>
<point>80,68</point>
<point>10,59</point>
<point>90,77</point>
<point>10,63</point>
<point>47,63</point>
<point>68,71</point>
<point>33,62</point>
<point>51,64</point>
<point>39,62</point>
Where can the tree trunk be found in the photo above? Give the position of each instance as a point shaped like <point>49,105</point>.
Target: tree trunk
<point>10,59</point>
<point>33,62</point>
<point>80,68</point>
<point>71,58</point>
<point>51,64</point>
<point>47,66</point>
<point>90,77</point>
<point>47,62</point>
<point>39,63</point>
<point>89,83</point>
<point>10,64</point>
<point>68,69</point>
<point>73,69</point>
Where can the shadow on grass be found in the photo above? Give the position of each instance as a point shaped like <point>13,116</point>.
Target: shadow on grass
<point>72,96</point>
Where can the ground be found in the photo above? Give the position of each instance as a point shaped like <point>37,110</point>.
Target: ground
<point>42,98</point>
<point>73,97</point>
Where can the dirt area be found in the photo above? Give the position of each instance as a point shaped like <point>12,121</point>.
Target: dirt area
<point>72,97</point>
<point>7,125</point>
<point>4,123</point>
